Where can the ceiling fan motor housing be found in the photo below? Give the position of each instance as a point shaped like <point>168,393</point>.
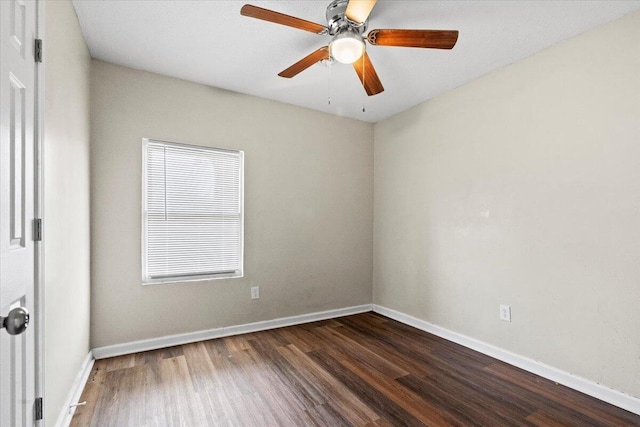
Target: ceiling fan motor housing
<point>338,23</point>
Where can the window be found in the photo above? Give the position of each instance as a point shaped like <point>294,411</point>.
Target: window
<point>192,216</point>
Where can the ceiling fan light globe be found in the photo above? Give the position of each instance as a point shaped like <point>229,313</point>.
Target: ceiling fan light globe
<point>346,48</point>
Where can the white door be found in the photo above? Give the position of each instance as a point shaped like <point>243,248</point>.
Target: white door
<point>17,192</point>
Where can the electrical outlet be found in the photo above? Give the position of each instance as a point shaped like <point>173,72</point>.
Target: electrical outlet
<point>255,292</point>
<point>505,313</point>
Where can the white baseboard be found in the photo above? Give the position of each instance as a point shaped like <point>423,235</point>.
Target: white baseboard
<point>599,391</point>
<point>66,413</point>
<point>171,340</point>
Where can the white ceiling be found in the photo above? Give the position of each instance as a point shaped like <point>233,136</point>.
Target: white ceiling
<point>209,42</point>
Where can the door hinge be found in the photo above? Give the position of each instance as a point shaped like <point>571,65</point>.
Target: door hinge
<point>38,50</point>
<point>38,408</point>
<point>37,229</point>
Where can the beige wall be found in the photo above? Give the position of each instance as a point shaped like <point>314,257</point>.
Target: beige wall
<point>523,188</point>
<point>66,203</point>
<point>308,206</point>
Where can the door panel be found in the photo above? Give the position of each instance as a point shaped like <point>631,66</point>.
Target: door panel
<point>17,19</point>
<point>17,192</point>
<point>16,160</point>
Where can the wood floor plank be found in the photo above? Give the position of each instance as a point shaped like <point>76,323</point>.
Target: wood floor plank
<point>225,375</point>
<point>345,347</point>
<point>362,370</point>
<point>177,392</point>
<point>201,368</point>
<point>304,339</point>
<point>119,362</point>
<point>304,390</point>
<point>351,408</point>
<point>541,419</point>
<point>366,392</point>
<point>596,409</point>
<point>468,404</point>
<point>112,408</point>
<point>91,394</point>
<point>405,398</point>
<point>251,411</point>
<point>286,405</point>
<point>325,415</point>
<point>388,353</point>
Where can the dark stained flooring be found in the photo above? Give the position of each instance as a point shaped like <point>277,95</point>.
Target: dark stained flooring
<point>362,370</point>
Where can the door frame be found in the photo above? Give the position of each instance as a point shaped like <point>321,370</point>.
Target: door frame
<point>39,285</point>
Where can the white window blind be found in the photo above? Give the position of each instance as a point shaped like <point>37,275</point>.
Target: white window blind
<point>192,212</point>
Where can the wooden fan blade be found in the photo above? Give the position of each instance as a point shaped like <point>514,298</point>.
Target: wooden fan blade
<point>281,18</point>
<point>306,62</point>
<point>359,10</point>
<point>434,39</point>
<point>368,76</point>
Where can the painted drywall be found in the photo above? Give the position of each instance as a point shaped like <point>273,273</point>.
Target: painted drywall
<point>523,188</point>
<point>308,206</point>
<point>66,203</point>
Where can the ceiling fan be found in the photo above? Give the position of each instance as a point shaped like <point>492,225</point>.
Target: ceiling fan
<point>346,24</point>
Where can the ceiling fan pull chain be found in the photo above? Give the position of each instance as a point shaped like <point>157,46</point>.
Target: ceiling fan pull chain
<point>329,67</point>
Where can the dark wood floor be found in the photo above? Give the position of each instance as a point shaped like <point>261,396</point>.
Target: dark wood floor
<point>356,370</point>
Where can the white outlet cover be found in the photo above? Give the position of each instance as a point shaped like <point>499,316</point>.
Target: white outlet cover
<point>505,313</point>
<point>255,292</point>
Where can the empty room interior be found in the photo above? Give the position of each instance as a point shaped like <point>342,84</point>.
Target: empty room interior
<point>292,213</point>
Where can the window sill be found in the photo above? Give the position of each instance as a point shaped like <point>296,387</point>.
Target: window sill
<point>185,279</point>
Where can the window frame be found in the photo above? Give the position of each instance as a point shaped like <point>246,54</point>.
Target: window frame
<point>144,209</point>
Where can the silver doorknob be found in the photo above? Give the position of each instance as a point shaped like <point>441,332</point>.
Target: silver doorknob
<point>16,321</point>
